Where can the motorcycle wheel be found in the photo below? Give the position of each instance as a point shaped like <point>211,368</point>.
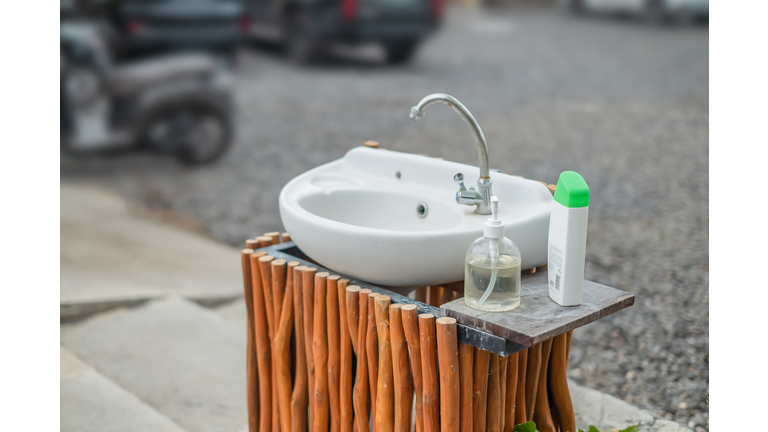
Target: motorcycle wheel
<point>196,135</point>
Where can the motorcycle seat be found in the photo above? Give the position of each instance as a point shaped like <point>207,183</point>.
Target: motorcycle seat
<point>134,78</point>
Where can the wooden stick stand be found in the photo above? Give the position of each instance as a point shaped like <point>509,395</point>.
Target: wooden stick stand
<point>367,359</point>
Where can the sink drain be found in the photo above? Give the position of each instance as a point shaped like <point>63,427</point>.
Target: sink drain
<point>422,209</point>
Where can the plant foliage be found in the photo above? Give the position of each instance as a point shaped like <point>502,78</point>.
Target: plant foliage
<point>531,427</point>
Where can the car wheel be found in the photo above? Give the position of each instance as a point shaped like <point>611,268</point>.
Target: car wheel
<point>575,7</point>
<point>655,12</point>
<point>401,52</point>
<point>302,45</point>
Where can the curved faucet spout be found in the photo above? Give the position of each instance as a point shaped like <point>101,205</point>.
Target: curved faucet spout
<point>483,198</point>
<point>418,111</point>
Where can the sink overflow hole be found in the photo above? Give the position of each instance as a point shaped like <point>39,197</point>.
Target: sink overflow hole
<point>422,209</point>
<point>397,175</point>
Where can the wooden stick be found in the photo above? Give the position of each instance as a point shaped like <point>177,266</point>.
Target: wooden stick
<point>466,370</point>
<point>320,352</point>
<point>385,397</point>
<point>493,421</point>
<point>252,373</point>
<point>308,298</point>
<point>542,416</point>
<point>278,287</point>
<point>252,244</point>
<point>360,391</point>
<point>522,369</point>
<point>480,390</point>
<point>372,351</point>
<point>282,345</point>
<point>431,394</point>
<point>434,293</point>
<point>503,385</point>
<point>300,397</point>
<point>511,399</point>
<point>420,294</point>
<point>353,295</point>
<point>274,237</point>
<point>334,354</point>
<point>446,295</point>
<point>400,370</point>
<point>286,237</point>
<point>448,356</point>
<point>266,281</point>
<point>263,348</point>
<point>411,329</point>
<point>532,380</point>
<point>559,384</point>
<point>264,241</point>
<point>346,412</point>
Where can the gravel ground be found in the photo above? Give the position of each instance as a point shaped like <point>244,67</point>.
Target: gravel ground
<point>623,104</point>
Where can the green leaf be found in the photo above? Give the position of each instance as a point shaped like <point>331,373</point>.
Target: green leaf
<point>632,428</point>
<point>593,429</point>
<point>525,427</point>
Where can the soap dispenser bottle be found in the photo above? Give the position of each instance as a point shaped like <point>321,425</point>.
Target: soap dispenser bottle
<point>492,268</point>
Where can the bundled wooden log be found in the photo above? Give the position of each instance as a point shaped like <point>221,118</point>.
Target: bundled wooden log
<point>359,360</point>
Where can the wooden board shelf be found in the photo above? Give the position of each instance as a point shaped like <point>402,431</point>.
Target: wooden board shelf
<point>538,317</point>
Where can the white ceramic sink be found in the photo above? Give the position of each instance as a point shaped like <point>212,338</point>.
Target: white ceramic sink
<point>357,216</point>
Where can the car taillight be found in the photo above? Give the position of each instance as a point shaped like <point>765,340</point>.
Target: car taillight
<point>437,8</point>
<point>244,24</point>
<point>134,26</point>
<point>348,10</point>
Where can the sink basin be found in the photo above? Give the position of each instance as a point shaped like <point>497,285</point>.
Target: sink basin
<point>391,219</point>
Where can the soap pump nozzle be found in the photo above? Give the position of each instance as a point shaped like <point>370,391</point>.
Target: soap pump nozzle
<point>493,230</point>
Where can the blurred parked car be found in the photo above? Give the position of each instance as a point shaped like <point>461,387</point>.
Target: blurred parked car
<point>305,27</point>
<point>140,26</point>
<point>654,11</point>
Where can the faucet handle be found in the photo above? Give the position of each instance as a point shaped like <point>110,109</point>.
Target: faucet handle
<point>459,178</point>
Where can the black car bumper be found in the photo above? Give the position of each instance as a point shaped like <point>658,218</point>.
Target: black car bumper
<point>184,37</point>
<point>371,25</point>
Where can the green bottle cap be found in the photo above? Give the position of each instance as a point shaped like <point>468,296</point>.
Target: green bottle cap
<point>572,191</point>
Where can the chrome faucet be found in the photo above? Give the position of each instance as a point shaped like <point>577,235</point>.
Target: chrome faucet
<point>481,197</point>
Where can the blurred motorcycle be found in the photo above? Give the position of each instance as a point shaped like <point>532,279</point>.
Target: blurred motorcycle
<point>178,104</point>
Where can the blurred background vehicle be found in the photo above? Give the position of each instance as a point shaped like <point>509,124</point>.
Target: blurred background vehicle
<point>178,104</point>
<point>305,28</point>
<point>654,11</point>
<point>151,26</point>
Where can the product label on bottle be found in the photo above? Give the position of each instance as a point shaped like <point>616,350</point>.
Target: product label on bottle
<point>555,267</point>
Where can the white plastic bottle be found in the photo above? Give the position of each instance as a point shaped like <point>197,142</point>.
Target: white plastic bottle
<point>568,239</point>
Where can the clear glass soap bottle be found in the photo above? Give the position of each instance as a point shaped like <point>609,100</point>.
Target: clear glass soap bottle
<point>492,268</point>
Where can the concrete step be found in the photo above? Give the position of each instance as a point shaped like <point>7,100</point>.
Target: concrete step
<point>90,402</point>
<point>185,361</point>
<point>607,413</point>
<point>111,257</point>
<point>234,311</point>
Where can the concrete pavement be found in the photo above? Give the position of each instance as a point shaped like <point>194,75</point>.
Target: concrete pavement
<point>112,258</point>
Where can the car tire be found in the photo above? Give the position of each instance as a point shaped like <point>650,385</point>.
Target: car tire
<point>655,12</point>
<point>401,52</point>
<point>576,7</point>
<point>302,45</point>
